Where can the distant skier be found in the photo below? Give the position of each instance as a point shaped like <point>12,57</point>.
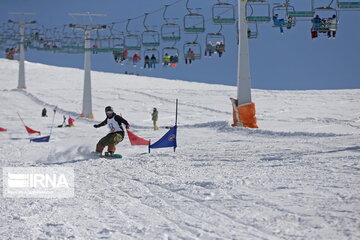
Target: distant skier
<point>43,113</point>
<point>71,122</point>
<point>116,134</point>
<point>154,118</point>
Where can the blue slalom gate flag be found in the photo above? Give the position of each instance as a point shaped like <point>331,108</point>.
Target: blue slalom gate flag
<point>168,140</point>
<point>41,139</point>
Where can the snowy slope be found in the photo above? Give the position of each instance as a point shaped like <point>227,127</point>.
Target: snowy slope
<point>297,177</point>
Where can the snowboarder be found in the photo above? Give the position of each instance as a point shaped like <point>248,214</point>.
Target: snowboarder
<point>116,134</point>
<point>154,118</point>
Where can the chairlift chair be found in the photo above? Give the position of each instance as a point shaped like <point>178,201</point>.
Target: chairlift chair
<point>170,32</point>
<point>152,51</point>
<point>283,11</point>
<point>348,5</point>
<point>257,5</point>
<point>324,26</point>
<point>212,39</point>
<point>195,46</point>
<point>150,38</point>
<point>253,32</point>
<point>132,42</point>
<point>194,23</point>
<point>171,51</point>
<point>223,13</point>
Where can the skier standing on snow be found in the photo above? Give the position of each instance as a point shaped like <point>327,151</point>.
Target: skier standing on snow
<point>154,118</point>
<point>43,113</point>
<point>116,134</point>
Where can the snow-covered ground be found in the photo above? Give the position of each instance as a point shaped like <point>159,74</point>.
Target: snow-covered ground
<point>296,177</point>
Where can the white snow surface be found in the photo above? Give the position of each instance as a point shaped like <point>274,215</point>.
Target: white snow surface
<point>296,177</point>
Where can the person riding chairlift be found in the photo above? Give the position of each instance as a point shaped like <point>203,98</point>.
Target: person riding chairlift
<point>190,56</point>
<point>136,58</point>
<point>279,22</point>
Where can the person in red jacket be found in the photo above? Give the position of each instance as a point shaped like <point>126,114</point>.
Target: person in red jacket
<point>136,58</point>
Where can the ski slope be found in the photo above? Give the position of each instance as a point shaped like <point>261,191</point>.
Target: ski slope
<point>296,177</point>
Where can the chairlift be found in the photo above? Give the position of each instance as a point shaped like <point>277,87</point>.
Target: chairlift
<point>324,25</point>
<point>152,51</point>
<point>73,45</point>
<point>195,47</point>
<point>193,22</point>
<point>253,32</point>
<point>132,41</point>
<point>171,51</point>
<point>118,43</point>
<point>170,32</point>
<point>213,40</point>
<point>282,11</point>
<point>253,14</point>
<point>348,5</point>
<point>149,38</point>
<point>223,13</point>
<point>131,56</point>
<point>100,44</point>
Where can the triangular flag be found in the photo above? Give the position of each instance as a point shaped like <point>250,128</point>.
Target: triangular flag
<point>168,140</point>
<point>136,140</point>
<point>2,129</point>
<point>31,131</point>
<point>40,139</point>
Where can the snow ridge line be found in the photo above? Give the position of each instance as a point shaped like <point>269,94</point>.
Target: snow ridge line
<point>180,103</point>
<point>58,109</point>
<point>224,126</point>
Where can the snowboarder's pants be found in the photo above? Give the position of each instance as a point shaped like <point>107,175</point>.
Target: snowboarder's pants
<point>109,140</point>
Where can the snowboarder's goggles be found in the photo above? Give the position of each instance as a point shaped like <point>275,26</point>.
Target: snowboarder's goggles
<point>109,112</point>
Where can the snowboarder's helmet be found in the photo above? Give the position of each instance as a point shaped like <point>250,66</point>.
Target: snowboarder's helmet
<point>109,109</point>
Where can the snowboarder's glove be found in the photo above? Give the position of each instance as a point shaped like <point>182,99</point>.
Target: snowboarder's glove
<point>96,126</point>
<point>127,126</point>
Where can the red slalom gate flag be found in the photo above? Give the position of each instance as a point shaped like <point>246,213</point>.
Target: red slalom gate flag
<point>136,140</point>
<point>31,131</point>
<point>2,129</point>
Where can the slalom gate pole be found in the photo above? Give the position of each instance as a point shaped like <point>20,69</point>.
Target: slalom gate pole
<point>176,114</point>
<point>23,124</point>
<point>52,124</point>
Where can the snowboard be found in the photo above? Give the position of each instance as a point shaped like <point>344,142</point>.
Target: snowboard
<point>116,155</point>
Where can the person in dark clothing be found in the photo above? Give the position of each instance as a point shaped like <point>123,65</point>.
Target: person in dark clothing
<point>116,134</point>
<point>152,61</point>
<point>43,113</point>
<point>147,62</point>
